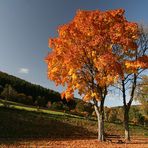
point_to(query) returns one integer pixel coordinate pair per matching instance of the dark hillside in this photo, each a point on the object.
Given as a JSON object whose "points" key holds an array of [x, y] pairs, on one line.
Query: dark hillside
{"points": [[29, 89]]}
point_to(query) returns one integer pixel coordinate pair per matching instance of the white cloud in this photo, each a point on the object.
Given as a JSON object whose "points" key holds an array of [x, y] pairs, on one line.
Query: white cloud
{"points": [[23, 70]]}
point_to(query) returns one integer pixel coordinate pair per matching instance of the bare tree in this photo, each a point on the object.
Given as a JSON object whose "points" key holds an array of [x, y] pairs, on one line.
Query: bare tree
{"points": [[128, 83]]}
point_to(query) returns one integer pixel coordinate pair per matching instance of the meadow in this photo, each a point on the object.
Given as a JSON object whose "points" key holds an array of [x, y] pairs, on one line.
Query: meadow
{"points": [[27, 126]]}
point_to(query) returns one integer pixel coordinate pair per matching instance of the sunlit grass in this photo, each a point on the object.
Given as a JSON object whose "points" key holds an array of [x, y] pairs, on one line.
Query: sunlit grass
{"points": [[35, 109]]}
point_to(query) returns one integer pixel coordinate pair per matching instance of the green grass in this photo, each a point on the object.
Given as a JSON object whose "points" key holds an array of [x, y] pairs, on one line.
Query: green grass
{"points": [[35, 109], [22, 122]]}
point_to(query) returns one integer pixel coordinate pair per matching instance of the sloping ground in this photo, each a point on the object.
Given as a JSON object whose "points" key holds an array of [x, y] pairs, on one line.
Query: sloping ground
{"points": [[89, 143], [20, 124], [24, 127]]}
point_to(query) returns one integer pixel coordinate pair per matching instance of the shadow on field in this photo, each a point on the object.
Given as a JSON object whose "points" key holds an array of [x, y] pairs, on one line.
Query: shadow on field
{"points": [[20, 125], [117, 139], [139, 141]]}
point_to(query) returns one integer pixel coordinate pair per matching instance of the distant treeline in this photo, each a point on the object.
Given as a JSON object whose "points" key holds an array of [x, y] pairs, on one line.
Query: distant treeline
{"points": [[33, 90]]}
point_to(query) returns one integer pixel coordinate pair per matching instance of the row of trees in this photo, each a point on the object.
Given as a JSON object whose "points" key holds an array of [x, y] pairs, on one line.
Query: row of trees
{"points": [[33, 93], [116, 115], [27, 88], [137, 114], [97, 50], [8, 93]]}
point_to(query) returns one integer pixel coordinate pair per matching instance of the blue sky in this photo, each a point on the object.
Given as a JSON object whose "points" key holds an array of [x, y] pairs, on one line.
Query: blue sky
{"points": [[26, 25]]}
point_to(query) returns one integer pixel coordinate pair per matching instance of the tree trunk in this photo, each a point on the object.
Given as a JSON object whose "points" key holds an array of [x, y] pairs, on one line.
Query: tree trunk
{"points": [[101, 128], [100, 117], [126, 125], [5, 101], [126, 114]]}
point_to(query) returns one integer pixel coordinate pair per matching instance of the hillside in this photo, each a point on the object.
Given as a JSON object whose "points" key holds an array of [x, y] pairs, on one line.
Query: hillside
{"points": [[28, 125], [23, 86], [33, 90]]}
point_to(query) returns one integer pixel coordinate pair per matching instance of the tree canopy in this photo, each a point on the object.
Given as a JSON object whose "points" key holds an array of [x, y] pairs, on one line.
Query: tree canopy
{"points": [[82, 55]]}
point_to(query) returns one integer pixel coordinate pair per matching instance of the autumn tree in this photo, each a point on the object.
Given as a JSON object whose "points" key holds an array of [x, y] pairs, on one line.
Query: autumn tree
{"points": [[134, 61], [83, 59]]}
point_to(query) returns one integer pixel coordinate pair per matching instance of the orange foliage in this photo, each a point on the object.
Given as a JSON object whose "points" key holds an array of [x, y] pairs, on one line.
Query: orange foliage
{"points": [[141, 62], [82, 56]]}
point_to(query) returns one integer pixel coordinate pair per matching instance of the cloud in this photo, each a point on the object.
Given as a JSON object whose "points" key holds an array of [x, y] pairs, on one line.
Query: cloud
{"points": [[23, 70]]}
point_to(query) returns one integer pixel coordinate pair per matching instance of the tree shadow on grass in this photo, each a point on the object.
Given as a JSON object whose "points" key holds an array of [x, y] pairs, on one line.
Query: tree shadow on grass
{"points": [[117, 139], [20, 125], [139, 140]]}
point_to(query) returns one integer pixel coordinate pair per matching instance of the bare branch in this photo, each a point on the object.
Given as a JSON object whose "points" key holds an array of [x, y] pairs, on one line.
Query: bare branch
{"points": [[117, 87]]}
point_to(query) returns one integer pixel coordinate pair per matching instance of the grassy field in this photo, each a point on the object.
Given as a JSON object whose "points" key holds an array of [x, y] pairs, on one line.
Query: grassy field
{"points": [[20, 123]]}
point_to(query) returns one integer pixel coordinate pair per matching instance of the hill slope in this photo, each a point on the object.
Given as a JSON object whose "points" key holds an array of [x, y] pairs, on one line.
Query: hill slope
{"points": [[33, 90], [28, 88], [26, 124]]}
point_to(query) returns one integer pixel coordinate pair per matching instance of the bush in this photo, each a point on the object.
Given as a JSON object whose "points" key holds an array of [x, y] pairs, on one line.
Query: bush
{"points": [[40, 101], [29, 100], [57, 106], [135, 116], [80, 106], [88, 107], [65, 108]]}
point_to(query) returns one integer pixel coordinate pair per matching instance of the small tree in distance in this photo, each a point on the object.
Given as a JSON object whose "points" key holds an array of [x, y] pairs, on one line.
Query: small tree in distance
{"points": [[83, 59], [8, 93]]}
